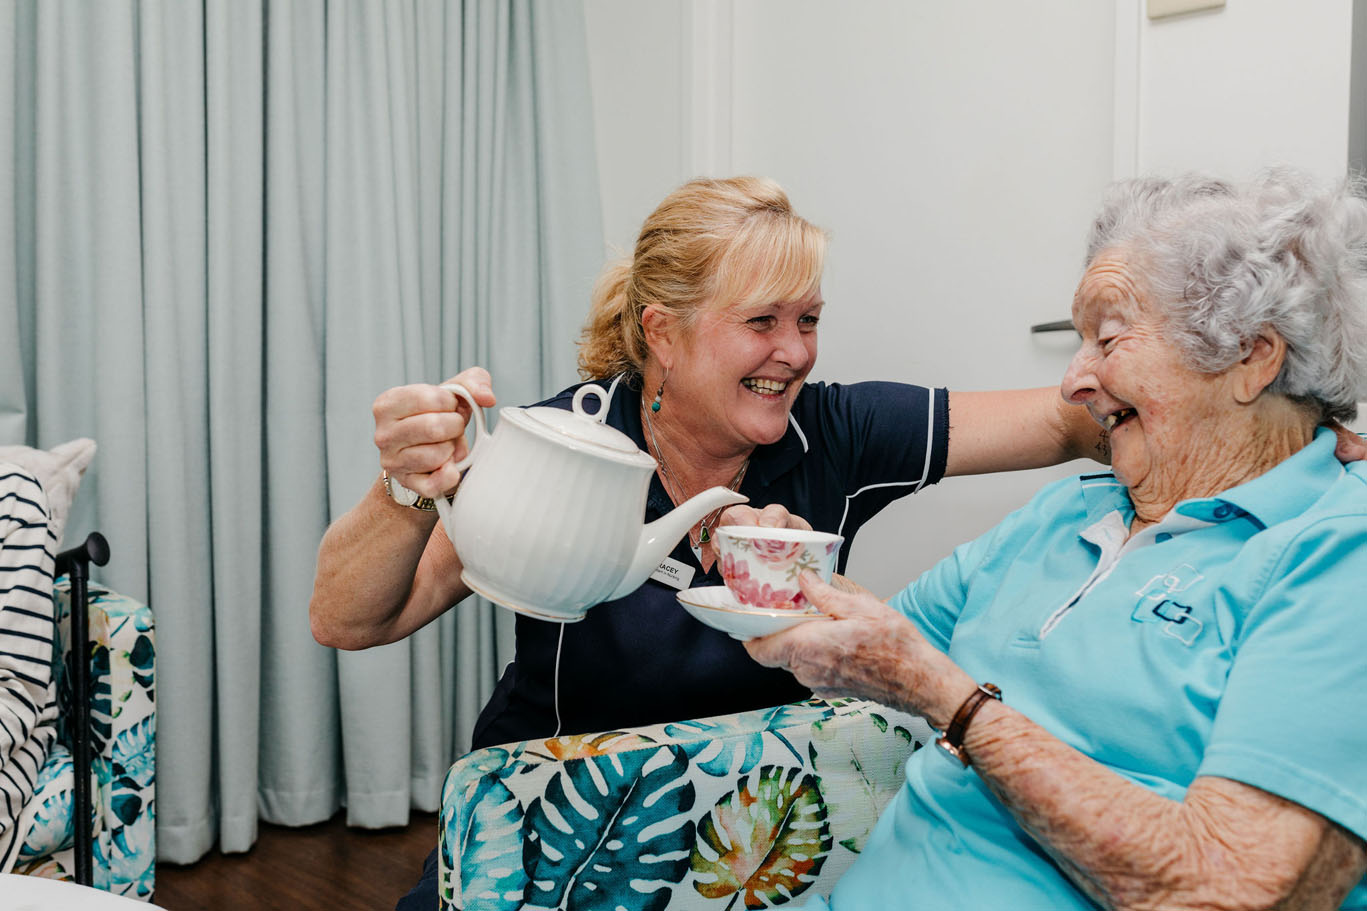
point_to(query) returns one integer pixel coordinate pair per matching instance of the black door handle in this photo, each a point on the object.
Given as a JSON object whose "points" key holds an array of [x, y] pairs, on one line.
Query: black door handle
{"points": [[1063, 325]]}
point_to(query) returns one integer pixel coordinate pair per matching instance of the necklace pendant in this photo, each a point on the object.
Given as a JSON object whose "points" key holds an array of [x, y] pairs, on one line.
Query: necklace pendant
{"points": [[704, 537]]}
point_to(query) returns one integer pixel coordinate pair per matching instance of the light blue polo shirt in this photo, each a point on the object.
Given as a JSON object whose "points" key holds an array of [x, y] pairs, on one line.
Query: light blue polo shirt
{"points": [[1230, 640]]}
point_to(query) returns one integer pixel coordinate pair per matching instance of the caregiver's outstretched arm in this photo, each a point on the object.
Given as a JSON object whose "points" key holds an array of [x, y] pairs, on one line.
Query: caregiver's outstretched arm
{"points": [[1020, 428], [386, 570]]}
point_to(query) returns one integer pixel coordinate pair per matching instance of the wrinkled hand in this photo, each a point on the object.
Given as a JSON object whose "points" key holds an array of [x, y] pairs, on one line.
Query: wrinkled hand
{"points": [[867, 650], [1351, 447], [420, 431], [847, 585]]}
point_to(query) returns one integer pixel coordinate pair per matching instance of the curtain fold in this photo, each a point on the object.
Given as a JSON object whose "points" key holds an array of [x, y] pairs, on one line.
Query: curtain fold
{"points": [[15, 366], [300, 748], [225, 227]]}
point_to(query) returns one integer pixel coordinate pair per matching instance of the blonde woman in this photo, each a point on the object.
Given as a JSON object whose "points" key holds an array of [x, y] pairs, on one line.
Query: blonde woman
{"points": [[706, 336]]}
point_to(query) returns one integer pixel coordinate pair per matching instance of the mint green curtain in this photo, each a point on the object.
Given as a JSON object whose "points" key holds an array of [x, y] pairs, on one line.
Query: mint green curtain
{"points": [[225, 227]]}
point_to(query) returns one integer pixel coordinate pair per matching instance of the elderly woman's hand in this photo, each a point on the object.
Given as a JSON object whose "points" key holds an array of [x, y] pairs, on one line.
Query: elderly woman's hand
{"points": [[420, 431], [847, 585], [867, 650]]}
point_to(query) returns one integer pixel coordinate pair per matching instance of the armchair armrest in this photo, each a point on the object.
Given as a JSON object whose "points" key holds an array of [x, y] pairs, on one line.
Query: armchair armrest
{"points": [[121, 633], [761, 805]]}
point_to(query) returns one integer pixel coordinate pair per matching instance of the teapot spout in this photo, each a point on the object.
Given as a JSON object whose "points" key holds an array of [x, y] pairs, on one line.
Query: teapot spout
{"points": [[659, 537]]}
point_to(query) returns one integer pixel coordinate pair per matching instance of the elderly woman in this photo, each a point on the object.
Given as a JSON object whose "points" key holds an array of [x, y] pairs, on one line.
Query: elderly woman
{"points": [[1149, 682], [706, 336]]}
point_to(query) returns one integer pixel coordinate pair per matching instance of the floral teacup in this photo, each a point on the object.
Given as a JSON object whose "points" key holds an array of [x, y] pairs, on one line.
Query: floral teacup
{"points": [[761, 565]]}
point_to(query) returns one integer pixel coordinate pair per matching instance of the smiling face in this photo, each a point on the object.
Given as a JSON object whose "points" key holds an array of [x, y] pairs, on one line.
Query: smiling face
{"points": [[1162, 415], [740, 366]]}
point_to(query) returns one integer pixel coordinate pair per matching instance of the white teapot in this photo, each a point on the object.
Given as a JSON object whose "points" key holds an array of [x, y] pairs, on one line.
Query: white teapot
{"points": [[548, 521]]}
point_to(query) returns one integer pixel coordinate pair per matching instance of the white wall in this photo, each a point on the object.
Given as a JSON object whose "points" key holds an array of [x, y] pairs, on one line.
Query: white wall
{"points": [[1254, 83], [956, 158], [955, 166], [636, 64]]}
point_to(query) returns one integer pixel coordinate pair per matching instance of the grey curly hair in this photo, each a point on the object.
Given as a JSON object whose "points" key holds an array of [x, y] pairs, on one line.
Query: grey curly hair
{"points": [[1226, 260]]}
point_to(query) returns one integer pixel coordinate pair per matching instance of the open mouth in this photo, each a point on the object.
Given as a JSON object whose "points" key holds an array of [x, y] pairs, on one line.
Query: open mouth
{"points": [[1115, 419], [764, 387]]}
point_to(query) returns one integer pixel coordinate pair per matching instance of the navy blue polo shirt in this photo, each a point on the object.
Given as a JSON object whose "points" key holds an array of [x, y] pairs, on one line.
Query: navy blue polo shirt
{"points": [[849, 451]]}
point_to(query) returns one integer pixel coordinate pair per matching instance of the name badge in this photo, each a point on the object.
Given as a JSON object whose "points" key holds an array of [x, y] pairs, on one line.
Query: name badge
{"points": [[674, 574]]}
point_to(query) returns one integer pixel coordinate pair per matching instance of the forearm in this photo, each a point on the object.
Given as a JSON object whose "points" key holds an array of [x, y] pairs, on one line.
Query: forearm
{"points": [[382, 573], [1018, 429], [1225, 846], [1082, 437]]}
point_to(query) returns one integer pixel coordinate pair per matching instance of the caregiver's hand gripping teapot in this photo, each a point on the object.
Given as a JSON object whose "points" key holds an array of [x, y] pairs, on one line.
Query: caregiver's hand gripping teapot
{"points": [[549, 518]]}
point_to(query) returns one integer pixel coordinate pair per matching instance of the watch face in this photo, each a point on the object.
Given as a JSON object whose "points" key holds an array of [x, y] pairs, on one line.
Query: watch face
{"points": [[402, 495]]}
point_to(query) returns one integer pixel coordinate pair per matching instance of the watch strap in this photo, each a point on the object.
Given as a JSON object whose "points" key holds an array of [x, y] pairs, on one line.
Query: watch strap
{"points": [[426, 504], [952, 741]]}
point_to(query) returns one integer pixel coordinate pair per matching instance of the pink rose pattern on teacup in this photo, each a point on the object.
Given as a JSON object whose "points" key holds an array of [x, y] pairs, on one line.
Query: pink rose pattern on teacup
{"points": [[736, 575], [778, 554], [788, 557]]}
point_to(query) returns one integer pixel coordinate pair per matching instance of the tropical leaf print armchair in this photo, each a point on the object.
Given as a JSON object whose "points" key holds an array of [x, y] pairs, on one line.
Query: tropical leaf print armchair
{"points": [[747, 810], [123, 751]]}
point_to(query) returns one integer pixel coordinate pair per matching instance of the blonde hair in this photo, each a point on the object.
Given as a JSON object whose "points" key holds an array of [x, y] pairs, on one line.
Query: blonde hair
{"points": [[732, 241]]}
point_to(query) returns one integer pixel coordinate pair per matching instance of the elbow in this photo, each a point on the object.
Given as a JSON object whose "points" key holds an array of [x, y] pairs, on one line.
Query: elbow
{"points": [[324, 632], [329, 632]]}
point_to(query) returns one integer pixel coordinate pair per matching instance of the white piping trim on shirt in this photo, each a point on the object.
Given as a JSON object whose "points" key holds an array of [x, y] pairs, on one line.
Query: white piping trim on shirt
{"points": [[612, 390], [919, 482], [560, 641], [846, 513], [800, 435], [930, 439], [556, 692]]}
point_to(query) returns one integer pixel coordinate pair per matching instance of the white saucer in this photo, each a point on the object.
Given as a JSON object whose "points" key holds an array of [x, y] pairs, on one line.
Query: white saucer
{"points": [[715, 606]]}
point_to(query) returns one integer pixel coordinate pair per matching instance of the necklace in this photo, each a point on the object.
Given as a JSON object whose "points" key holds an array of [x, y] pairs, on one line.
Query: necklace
{"points": [[709, 521]]}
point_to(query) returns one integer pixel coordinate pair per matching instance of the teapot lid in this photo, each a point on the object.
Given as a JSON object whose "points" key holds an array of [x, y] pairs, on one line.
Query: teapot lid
{"points": [[581, 430]]}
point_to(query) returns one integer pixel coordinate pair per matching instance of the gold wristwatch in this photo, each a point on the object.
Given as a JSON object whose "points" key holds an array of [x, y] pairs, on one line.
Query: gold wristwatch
{"points": [[405, 497]]}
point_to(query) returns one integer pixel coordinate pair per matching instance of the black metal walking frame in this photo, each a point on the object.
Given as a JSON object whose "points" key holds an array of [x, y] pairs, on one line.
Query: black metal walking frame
{"points": [[76, 564]]}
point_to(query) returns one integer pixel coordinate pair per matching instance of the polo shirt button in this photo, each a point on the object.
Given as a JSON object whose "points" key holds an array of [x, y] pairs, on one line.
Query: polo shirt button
{"points": [[1223, 511]]}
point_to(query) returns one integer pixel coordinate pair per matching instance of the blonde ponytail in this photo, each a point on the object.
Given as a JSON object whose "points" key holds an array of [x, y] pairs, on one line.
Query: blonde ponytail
{"points": [[710, 241]]}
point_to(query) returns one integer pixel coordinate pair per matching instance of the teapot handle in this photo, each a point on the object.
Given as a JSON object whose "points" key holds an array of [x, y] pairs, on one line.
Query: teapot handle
{"points": [[477, 413]]}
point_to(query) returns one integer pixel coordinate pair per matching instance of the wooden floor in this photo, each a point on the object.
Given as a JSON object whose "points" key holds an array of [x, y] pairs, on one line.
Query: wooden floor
{"points": [[314, 868]]}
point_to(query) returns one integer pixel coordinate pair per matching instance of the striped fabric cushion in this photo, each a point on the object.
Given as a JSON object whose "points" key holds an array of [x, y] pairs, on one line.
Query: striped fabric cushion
{"points": [[28, 704]]}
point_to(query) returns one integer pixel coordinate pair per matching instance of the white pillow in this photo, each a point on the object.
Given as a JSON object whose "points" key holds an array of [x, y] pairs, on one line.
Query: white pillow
{"points": [[59, 470]]}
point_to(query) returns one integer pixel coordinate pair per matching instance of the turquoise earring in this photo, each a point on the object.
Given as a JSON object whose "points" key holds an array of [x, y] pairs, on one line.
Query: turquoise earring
{"points": [[659, 394]]}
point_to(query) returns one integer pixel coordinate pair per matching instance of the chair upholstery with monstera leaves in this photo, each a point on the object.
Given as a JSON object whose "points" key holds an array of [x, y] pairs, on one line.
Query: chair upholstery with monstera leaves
{"points": [[752, 810], [123, 752]]}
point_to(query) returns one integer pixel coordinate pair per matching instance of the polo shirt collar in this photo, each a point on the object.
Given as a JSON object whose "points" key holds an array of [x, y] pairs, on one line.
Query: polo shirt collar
{"points": [[624, 408], [1287, 490], [771, 461], [1274, 496], [624, 413], [1102, 494]]}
